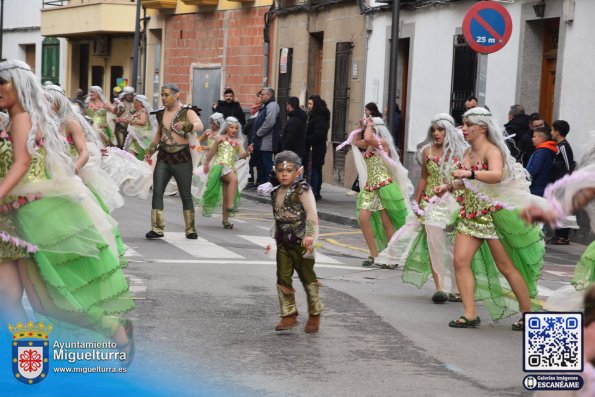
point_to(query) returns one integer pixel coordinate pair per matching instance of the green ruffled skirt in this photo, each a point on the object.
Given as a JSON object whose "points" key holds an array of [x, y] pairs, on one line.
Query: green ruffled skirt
{"points": [[417, 268], [525, 247], [78, 270], [584, 273], [212, 197], [394, 205]]}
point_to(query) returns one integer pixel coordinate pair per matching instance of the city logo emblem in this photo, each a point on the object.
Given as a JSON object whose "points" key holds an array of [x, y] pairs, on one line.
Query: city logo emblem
{"points": [[30, 351]]}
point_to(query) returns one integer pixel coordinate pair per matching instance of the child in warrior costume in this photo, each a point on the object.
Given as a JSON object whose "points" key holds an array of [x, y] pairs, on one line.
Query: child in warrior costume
{"points": [[494, 188], [142, 126], [565, 197], [222, 185], [75, 131], [296, 232], [69, 263], [383, 202], [422, 245]]}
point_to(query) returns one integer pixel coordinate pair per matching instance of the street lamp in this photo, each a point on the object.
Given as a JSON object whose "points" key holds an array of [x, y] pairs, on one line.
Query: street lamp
{"points": [[539, 9]]}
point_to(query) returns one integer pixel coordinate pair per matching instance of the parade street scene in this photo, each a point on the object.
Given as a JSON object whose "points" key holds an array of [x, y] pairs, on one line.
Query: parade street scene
{"points": [[297, 198]]}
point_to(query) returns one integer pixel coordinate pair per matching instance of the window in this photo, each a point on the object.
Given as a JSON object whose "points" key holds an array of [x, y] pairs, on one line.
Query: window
{"points": [[464, 72], [50, 60]]}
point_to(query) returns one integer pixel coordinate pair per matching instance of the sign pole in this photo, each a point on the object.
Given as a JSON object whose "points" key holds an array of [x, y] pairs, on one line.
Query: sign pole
{"points": [[482, 78]]}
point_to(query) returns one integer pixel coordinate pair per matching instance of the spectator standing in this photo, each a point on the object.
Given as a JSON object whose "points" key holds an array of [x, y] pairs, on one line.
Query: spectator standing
{"points": [[519, 134], [249, 132], [294, 134], [317, 126], [563, 164], [540, 162], [470, 103], [230, 107], [267, 127]]}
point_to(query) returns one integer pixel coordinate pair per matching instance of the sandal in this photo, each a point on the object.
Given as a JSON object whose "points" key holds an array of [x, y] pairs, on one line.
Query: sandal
{"points": [[559, 241], [519, 325], [227, 225], [439, 297], [368, 262], [390, 267], [454, 297], [464, 322]]}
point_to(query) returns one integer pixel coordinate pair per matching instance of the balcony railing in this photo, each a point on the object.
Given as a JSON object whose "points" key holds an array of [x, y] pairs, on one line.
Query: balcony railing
{"points": [[54, 3]]}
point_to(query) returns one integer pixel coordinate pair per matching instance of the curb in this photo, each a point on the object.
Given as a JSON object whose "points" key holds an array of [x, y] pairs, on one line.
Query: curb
{"points": [[327, 216]]}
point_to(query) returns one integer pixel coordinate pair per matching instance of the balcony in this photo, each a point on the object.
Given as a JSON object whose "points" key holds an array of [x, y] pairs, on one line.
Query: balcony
{"points": [[61, 18], [201, 2], [159, 4]]}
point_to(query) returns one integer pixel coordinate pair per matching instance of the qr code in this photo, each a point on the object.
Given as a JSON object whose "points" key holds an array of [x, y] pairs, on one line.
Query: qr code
{"points": [[553, 342]]}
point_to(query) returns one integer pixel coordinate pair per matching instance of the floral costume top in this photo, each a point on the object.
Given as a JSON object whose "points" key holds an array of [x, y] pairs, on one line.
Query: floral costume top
{"points": [[476, 212], [227, 153], [11, 247], [99, 117], [378, 177], [434, 179]]}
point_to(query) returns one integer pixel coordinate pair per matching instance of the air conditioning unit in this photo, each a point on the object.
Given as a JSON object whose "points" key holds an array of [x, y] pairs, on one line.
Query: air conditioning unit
{"points": [[101, 46]]}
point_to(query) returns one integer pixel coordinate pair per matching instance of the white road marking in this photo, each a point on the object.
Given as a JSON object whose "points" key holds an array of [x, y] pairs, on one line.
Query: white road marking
{"points": [[130, 253], [558, 273], [200, 247], [265, 241], [248, 262]]}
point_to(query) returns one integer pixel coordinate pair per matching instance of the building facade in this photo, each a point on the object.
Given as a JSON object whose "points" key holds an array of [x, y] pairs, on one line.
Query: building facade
{"points": [[208, 45], [99, 35], [22, 40]]}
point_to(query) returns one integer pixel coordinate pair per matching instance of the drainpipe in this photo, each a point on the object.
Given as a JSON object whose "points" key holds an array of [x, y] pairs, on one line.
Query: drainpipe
{"points": [[394, 58], [267, 40], [1, 27], [136, 49]]}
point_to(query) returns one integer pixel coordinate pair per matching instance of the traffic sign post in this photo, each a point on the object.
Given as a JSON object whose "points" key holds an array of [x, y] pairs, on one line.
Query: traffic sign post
{"points": [[487, 27]]}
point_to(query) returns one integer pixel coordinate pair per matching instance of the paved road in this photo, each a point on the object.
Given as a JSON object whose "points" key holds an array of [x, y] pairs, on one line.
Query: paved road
{"points": [[206, 311]]}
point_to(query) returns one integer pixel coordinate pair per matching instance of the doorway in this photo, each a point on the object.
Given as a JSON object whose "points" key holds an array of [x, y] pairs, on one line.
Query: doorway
{"points": [[548, 69], [314, 64], [206, 90]]}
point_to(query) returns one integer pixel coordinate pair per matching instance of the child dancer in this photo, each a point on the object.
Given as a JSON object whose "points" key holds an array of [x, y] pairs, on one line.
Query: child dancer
{"points": [[383, 203], [222, 184], [422, 245], [69, 264], [494, 185], [296, 232]]}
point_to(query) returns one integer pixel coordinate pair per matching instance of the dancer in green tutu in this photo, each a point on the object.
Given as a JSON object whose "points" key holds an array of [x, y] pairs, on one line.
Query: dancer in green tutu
{"points": [[56, 242], [422, 245], [383, 203], [97, 108], [81, 143], [222, 181], [142, 126], [490, 237]]}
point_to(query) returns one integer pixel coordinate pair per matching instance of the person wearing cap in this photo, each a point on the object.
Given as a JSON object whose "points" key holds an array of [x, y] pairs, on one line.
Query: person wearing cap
{"points": [[176, 127], [124, 112]]}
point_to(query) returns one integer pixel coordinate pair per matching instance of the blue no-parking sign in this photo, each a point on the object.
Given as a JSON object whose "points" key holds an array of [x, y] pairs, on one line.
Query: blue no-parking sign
{"points": [[487, 27]]}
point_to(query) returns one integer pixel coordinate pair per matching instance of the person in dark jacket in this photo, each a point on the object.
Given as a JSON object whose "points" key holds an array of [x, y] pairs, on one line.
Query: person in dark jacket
{"points": [[294, 133], [540, 162], [230, 107], [266, 131], [519, 134], [317, 126], [563, 165]]}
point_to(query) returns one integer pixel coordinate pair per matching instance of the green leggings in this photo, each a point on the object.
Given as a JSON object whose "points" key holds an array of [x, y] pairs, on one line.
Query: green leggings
{"points": [[182, 173], [290, 258]]}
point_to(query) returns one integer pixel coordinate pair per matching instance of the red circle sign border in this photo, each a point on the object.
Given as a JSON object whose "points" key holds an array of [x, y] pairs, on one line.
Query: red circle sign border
{"points": [[467, 26]]}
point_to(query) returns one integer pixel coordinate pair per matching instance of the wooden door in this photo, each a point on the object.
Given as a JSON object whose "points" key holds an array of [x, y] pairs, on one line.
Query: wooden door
{"points": [[548, 69]]}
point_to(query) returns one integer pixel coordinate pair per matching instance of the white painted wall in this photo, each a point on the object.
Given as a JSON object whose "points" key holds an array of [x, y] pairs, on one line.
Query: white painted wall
{"points": [[430, 69], [27, 14], [577, 99]]}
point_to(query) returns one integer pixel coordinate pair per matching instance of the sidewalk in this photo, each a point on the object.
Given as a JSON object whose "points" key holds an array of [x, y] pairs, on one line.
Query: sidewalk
{"points": [[338, 206]]}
